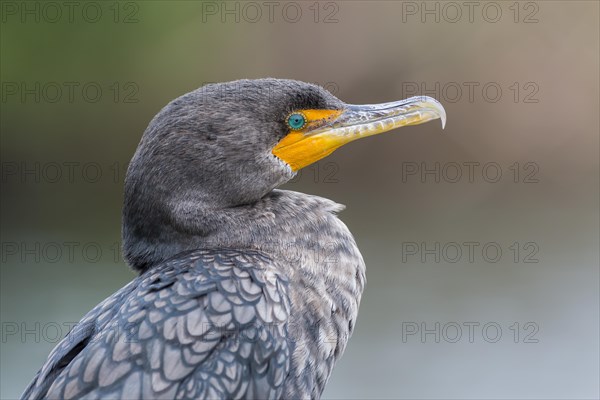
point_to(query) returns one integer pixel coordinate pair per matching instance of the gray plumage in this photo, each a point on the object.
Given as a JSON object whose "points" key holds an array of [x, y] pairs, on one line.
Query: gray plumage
{"points": [[245, 291]]}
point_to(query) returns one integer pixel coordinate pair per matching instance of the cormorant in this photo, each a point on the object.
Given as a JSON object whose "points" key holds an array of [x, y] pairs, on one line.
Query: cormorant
{"points": [[244, 290]]}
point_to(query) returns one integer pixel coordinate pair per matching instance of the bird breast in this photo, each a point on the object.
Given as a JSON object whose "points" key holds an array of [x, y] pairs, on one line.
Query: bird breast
{"points": [[325, 270]]}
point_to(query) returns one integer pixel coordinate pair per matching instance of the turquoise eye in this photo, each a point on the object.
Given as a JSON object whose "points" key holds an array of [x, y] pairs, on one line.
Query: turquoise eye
{"points": [[296, 121]]}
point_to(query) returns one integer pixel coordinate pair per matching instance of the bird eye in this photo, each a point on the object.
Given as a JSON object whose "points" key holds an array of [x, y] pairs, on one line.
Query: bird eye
{"points": [[296, 121]]}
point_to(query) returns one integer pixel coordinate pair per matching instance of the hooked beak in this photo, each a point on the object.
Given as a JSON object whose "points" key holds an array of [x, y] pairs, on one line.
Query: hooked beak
{"points": [[327, 130]]}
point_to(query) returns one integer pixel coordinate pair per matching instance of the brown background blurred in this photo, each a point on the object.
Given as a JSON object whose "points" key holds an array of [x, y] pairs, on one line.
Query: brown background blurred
{"points": [[519, 81]]}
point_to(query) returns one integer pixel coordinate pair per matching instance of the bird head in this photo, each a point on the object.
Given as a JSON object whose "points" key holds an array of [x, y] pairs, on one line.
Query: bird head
{"points": [[231, 143]]}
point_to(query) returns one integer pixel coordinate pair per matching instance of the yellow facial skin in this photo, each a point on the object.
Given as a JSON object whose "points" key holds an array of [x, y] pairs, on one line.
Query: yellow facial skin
{"points": [[298, 149], [327, 130]]}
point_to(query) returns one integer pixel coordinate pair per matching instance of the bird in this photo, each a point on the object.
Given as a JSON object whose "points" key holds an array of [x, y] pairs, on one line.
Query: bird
{"points": [[243, 290]]}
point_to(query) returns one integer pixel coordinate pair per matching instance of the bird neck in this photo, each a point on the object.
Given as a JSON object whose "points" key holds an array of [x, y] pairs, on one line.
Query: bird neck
{"points": [[156, 228]]}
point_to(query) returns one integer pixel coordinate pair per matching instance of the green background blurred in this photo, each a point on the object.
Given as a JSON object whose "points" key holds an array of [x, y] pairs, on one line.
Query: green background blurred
{"points": [[64, 155]]}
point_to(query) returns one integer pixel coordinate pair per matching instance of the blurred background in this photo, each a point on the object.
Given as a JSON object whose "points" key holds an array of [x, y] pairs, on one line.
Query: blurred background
{"points": [[481, 241]]}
